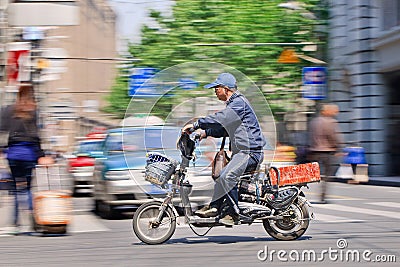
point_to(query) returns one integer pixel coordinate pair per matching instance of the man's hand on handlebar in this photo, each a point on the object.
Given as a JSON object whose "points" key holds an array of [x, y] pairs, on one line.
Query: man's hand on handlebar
{"points": [[202, 135], [188, 128]]}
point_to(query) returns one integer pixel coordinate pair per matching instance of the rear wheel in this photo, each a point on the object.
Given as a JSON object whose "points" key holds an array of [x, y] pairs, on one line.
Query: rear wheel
{"points": [[149, 231], [294, 224]]}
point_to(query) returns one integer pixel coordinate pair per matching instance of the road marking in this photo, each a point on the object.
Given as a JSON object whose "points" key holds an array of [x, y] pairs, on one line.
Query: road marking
{"points": [[335, 197], [386, 204], [85, 223], [333, 219], [346, 208]]}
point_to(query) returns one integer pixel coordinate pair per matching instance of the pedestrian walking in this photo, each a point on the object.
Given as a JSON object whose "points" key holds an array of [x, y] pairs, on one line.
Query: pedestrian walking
{"points": [[23, 147], [324, 143]]}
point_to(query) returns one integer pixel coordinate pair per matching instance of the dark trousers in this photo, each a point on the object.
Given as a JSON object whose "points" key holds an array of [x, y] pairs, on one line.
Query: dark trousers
{"points": [[226, 185], [325, 160], [21, 172]]}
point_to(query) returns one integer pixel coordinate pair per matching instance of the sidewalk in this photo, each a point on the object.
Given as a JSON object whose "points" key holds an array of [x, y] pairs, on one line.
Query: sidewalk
{"points": [[380, 181]]}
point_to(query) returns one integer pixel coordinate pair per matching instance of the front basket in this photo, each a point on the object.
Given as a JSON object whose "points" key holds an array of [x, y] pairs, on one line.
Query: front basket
{"points": [[159, 169]]}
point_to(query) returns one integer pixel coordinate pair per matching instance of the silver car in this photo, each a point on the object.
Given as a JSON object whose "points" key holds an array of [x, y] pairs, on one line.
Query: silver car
{"points": [[81, 165], [119, 174]]}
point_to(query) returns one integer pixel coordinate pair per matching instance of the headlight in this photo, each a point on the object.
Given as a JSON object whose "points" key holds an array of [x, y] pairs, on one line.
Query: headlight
{"points": [[117, 175]]}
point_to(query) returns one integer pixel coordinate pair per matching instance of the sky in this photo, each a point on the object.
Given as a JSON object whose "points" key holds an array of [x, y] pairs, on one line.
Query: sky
{"points": [[132, 14]]}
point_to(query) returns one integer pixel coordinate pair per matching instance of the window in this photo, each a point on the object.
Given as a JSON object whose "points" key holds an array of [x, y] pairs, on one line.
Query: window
{"points": [[391, 13]]}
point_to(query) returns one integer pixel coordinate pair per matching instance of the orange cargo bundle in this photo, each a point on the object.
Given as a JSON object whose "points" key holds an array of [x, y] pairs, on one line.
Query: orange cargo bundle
{"points": [[296, 174], [52, 207]]}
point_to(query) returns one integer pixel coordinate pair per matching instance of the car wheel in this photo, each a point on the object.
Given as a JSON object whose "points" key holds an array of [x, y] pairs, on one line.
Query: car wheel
{"points": [[97, 204], [107, 211]]}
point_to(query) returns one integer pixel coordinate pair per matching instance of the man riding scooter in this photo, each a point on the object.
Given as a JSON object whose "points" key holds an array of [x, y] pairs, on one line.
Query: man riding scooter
{"points": [[239, 122]]}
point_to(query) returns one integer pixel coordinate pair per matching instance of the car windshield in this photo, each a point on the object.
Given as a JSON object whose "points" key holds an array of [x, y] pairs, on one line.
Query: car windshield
{"points": [[87, 147], [141, 140]]}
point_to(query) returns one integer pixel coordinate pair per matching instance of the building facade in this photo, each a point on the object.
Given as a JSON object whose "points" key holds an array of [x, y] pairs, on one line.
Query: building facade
{"points": [[90, 54], [76, 71], [364, 78]]}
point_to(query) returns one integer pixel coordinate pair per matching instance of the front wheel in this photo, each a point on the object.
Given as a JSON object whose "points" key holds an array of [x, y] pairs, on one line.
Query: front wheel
{"points": [[147, 229], [294, 224]]}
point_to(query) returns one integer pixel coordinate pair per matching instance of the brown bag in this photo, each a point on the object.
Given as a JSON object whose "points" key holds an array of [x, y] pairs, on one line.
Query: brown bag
{"points": [[220, 161]]}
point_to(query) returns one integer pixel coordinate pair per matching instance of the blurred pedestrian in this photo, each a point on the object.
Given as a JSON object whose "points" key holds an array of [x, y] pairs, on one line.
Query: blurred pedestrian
{"points": [[325, 142], [24, 150]]}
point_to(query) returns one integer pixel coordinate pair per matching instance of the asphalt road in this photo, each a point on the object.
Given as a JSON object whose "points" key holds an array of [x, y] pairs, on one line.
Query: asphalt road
{"points": [[360, 226]]}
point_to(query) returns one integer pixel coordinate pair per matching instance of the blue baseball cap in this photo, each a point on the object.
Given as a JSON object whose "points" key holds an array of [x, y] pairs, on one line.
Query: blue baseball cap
{"points": [[225, 79]]}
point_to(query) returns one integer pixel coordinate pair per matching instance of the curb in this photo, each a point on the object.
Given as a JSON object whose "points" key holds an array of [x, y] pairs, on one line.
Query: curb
{"points": [[384, 183]]}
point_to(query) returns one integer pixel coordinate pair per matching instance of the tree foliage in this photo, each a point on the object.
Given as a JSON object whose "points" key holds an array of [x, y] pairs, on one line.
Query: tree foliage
{"points": [[118, 99], [177, 39]]}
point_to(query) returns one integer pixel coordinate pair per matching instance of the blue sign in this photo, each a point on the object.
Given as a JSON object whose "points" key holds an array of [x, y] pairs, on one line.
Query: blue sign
{"points": [[138, 85], [141, 83], [188, 83], [315, 82]]}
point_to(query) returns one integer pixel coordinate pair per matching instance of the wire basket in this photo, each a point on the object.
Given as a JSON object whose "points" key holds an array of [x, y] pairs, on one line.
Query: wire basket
{"points": [[159, 169]]}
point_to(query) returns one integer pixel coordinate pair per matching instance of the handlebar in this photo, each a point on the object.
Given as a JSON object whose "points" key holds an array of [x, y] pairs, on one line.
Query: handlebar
{"points": [[196, 137]]}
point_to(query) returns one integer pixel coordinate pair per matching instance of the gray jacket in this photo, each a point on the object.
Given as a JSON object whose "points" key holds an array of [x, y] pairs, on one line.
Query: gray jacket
{"points": [[238, 121]]}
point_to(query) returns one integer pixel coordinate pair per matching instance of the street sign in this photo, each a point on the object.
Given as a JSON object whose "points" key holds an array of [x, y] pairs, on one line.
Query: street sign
{"points": [[138, 85], [143, 84], [188, 83], [19, 62], [314, 83]]}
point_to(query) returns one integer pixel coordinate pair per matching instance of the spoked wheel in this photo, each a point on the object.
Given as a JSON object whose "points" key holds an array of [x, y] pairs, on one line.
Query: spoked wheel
{"points": [[147, 229], [294, 223]]}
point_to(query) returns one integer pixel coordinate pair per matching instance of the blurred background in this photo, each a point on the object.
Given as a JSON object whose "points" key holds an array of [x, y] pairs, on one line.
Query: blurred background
{"points": [[87, 59], [91, 64]]}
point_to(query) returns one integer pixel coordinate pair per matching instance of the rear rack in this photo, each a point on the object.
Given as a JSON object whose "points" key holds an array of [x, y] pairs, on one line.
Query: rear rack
{"points": [[300, 174]]}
